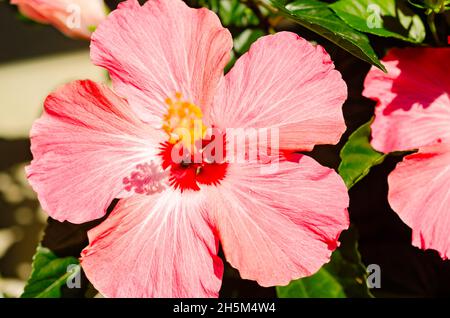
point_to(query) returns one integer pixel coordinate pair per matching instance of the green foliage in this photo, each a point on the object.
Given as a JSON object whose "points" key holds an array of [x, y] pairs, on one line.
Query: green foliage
{"points": [[242, 43], [49, 274], [319, 18], [344, 276], [245, 39], [231, 12], [244, 24], [358, 156], [387, 18], [431, 6]]}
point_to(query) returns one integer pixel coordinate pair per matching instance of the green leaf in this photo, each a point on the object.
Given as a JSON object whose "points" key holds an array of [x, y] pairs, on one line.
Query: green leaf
{"points": [[347, 266], [49, 274], [320, 285], [343, 276], [387, 18], [358, 156], [319, 18]]}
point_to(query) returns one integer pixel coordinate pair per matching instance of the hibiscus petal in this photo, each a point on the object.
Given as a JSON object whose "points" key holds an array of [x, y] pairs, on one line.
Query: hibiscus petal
{"points": [[413, 99], [84, 144], [159, 49], [419, 191], [155, 246], [287, 83], [29, 11], [279, 225]]}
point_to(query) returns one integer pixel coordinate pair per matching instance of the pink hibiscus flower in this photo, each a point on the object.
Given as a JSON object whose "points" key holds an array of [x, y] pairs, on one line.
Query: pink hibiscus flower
{"points": [[413, 112], [75, 18], [166, 62]]}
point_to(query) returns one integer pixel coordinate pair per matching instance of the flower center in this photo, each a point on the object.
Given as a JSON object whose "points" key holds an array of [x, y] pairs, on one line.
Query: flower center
{"points": [[187, 158], [183, 154], [183, 122]]}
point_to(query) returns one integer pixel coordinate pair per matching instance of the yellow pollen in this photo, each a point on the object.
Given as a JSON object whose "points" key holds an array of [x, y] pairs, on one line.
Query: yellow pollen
{"points": [[183, 122]]}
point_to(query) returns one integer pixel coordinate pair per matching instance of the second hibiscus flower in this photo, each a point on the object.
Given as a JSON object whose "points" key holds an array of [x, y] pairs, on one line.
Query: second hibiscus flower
{"points": [[413, 113], [75, 18], [166, 62]]}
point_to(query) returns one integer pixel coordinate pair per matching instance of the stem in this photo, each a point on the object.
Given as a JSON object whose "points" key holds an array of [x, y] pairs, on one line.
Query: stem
{"points": [[432, 25]]}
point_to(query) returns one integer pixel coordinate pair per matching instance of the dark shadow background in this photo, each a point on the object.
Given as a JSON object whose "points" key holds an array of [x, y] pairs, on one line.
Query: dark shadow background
{"points": [[384, 240]]}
